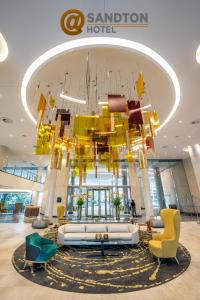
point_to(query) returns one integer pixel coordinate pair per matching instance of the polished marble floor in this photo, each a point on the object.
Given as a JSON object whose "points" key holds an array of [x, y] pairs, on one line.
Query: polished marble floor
{"points": [[15, 287]]}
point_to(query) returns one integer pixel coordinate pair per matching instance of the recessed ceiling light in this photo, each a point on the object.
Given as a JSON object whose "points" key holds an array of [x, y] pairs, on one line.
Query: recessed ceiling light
{"points": [[189, 136], [25, 146], [175, 147], [198, 55], [180, 121], [95, 42], [164, 136], [11, 135], [1, 95], [194, 122], [22, 120], [6, 120], [3, 48]]}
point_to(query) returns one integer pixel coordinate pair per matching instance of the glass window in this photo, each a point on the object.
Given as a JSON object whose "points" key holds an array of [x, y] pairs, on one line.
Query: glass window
{"points": [[8, 200]]}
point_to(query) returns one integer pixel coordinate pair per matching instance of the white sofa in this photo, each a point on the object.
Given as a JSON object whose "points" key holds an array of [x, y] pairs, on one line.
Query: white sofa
{"points": [[80, 234]]}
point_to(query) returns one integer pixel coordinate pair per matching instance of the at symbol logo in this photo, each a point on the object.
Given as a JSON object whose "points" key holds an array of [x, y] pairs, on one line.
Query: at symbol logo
{"points": [[72, 21]]}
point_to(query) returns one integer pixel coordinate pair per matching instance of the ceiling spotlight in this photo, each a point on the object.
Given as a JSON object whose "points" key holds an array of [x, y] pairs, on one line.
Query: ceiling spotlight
{"points": [[6, 120], [11, 135], [175, 147], [65, 97], [164, 136], [180, 121], [198, 55], [21, 120], [189, 136], [3, 48]]}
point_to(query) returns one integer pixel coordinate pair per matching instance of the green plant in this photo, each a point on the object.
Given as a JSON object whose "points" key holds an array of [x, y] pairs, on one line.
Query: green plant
{"points": [[117, 202], [80, 203]]}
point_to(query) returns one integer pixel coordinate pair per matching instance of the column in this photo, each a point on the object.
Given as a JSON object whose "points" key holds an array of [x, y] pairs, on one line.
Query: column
{"points": [[195, 159], [50, 192], [56, 185], [35, 196], [135, 191], [39, 173], [147, 194], [159, 188], [61, 186]]}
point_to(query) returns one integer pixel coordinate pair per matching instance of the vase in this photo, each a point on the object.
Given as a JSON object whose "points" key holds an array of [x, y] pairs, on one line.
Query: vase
{"points": [[117, 212], [79, 212]]}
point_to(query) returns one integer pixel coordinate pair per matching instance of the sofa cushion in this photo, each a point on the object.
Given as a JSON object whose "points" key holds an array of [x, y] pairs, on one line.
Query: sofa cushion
{"points": [[78, 236], [74, 228], [91, 236], [118, 228], [120, 236], [96, 228]]}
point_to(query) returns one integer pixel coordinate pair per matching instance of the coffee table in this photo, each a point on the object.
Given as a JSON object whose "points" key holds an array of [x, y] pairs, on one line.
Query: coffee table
{"points": [[102, 242]]}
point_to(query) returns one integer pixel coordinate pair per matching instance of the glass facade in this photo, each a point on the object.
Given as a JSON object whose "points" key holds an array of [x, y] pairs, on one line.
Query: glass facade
{"points": [[168, 185], [30, 173], [99, 191], [11, 202]]}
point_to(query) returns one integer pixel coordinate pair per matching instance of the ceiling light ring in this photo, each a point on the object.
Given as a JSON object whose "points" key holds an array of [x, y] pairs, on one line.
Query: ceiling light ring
{"points": [[3, 48], [101, 42]]}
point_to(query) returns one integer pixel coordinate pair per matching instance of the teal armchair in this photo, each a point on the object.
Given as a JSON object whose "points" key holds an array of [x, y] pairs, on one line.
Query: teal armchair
{"points": [[39, 250]]}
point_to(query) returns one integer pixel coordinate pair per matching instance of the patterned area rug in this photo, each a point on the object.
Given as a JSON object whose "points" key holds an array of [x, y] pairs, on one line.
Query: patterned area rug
{"points": [[125, 269]]}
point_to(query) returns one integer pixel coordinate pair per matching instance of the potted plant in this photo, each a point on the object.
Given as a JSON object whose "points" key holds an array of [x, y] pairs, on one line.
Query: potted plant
{"points": [[80, 203], [117, 202]]}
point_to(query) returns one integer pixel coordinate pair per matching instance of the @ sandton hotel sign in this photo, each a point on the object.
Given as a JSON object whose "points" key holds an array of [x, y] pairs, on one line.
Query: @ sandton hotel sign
{"points": [[73, 21]]}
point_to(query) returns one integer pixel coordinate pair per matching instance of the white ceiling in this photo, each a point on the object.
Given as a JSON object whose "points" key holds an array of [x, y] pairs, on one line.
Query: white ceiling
{"points": [[32, 27], [125, 67]]}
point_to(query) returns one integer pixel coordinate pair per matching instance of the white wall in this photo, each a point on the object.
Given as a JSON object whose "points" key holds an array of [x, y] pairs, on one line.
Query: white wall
{"points": [[168, 187], [15, 182], [60, 189], [191, 178], [182, 187]]}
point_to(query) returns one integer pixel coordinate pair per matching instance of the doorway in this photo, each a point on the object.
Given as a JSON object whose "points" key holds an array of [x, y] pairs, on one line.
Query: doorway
{"points": [[98, 203]]}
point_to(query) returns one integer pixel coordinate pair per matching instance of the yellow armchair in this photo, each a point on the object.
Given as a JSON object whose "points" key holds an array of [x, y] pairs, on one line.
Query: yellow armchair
{"points": [[164, 245]]}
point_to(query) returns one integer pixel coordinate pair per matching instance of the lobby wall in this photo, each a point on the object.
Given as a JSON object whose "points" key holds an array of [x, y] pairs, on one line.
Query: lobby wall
{"points": [[15, 182], [191, 180]]}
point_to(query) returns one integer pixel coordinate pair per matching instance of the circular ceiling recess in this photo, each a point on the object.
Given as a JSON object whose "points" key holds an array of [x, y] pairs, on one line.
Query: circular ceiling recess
{"points": [[102, 42], [3, 48]]}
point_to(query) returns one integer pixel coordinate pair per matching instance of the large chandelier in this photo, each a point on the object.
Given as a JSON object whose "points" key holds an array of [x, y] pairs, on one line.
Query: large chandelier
{"points": [[121, 129]]}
